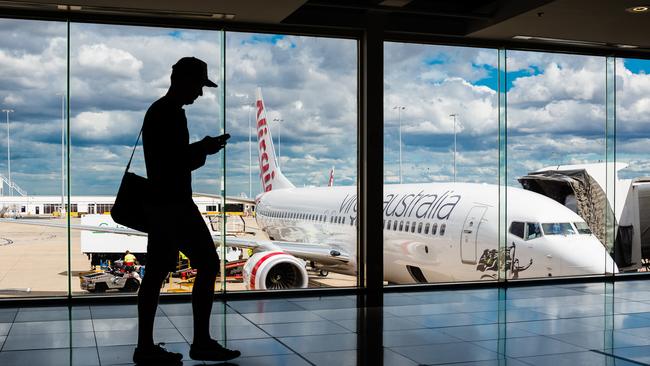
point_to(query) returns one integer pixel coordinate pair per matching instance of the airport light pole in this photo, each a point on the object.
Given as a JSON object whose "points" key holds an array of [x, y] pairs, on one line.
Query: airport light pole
{"points": [[400, 108], [11, 188], [62, 153], [454, 115], [279, 121], [250, 148]]}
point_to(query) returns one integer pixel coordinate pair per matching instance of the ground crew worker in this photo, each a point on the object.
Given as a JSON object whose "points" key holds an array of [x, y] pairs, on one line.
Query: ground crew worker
{"points": [[129, 259]]}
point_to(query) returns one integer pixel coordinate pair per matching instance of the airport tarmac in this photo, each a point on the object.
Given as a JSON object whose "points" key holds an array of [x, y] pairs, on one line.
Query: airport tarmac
{"points": [[34, 261]]}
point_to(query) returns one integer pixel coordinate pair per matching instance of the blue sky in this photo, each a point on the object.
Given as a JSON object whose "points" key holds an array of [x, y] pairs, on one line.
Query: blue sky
{"points": [[637, 66], [555, 106]]}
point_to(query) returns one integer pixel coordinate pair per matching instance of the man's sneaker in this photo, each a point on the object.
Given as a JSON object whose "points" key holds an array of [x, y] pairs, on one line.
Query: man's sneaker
{"points": [[156, 355], [212, 351]]}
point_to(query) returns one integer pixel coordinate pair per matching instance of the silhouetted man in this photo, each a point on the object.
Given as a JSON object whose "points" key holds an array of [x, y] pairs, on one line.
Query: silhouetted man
{"points": [[170, 159]]}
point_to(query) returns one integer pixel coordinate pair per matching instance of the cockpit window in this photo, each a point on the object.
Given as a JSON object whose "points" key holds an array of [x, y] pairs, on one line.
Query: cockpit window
{"points": [[517, 229], [582, 227], [533, 230], [558, 228]]}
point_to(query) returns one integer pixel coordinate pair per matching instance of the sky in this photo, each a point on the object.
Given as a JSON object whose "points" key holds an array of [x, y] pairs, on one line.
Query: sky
{"points": [[556, 106]]}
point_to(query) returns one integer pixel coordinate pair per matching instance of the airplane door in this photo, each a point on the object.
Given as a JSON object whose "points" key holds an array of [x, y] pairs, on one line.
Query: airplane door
{"points": [[470, 234]]}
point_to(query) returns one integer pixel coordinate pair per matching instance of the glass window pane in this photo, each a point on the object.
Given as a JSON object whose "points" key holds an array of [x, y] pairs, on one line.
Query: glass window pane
{"points": [[556, 147], [33, 66], [440, 160], [632, 165], [116, 73], [292, 113]]}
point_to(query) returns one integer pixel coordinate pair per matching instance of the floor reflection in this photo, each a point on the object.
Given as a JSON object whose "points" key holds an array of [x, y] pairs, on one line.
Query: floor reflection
{"points": [[579, 324]]}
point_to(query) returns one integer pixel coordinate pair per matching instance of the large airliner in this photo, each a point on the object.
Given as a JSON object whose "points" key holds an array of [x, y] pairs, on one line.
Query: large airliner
{"points": [[432, 232]]}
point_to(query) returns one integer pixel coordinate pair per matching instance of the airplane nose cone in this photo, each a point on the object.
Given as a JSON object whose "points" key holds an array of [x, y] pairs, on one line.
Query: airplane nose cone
{"points": [[591, 258]]}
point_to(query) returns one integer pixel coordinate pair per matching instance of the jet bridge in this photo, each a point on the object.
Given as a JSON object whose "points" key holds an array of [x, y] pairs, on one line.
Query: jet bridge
{"points": [[580, 188]]}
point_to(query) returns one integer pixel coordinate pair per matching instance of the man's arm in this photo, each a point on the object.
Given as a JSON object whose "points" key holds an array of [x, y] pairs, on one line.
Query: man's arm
{"points": [[197, 155]]}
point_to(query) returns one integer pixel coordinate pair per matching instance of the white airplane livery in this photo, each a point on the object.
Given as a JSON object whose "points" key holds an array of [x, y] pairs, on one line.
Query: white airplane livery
{"points": [[432, 232]]}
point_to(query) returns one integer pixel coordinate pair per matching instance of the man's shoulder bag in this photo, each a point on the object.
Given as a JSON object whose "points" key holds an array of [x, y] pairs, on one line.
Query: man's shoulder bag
{"points": [[132, 198]]}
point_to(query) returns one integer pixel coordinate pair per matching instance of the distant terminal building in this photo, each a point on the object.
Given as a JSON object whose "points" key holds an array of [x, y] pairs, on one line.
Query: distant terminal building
{"points": [[82, 205]]}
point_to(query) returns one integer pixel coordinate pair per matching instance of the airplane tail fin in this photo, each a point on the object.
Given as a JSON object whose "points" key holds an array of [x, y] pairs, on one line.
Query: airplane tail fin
{"points": [[270, 175], [331, 181]]}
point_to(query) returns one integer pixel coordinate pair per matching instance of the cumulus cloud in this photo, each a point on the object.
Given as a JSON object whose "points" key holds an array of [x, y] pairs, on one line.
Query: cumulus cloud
{"points": [[104, 126], [102, 59]]}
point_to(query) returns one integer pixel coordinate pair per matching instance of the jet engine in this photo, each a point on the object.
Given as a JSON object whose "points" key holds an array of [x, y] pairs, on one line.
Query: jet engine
{"points": [[274, 270]]}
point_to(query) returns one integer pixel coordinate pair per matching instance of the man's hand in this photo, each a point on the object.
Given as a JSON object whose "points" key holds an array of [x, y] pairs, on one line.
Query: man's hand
{"points": [[212, 145]]}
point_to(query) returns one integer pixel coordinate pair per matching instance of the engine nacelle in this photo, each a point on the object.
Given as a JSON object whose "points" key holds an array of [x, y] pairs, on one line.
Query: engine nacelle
{"points": [[274, 271]]}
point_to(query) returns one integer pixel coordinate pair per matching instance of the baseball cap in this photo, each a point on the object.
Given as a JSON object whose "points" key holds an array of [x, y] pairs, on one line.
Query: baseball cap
{"points": [[194, 68]]}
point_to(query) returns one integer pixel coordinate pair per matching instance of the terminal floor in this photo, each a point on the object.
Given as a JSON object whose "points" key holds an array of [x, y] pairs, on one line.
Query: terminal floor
{"points": [[577, 324]]}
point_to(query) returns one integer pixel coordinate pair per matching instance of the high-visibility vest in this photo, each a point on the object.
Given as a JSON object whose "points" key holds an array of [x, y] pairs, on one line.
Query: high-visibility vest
{"points": [[129, 258]]}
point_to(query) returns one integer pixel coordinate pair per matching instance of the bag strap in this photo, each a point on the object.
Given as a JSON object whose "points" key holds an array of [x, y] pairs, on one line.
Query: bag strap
{"points": [[133, 152]]}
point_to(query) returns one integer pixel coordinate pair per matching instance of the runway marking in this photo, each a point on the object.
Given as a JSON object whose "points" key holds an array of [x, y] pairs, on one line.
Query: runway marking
{"points": [[5, 241]]}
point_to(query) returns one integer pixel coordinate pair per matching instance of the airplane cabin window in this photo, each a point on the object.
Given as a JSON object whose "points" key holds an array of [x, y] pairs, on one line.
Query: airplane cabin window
{"points": [[558, 228], [426, 228], [388, 225], [582, 227], [401, 225], [413, 228], [419, 228], [343, 220], [406, 227], [533, 231], [395, 225], [443, 227], [517, 229], [434, 229]]}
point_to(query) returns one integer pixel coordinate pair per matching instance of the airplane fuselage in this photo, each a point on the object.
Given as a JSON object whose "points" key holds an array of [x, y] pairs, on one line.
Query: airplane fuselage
{"points": [[438, 231]]}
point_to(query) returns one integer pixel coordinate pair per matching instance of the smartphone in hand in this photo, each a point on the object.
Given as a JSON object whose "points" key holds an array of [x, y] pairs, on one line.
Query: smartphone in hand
{"points": [[223, 138]]}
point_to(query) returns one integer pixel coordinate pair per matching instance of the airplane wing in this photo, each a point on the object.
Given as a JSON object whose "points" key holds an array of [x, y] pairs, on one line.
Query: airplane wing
{"points": [[321, 253], [228, 198], [61, 225]]}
